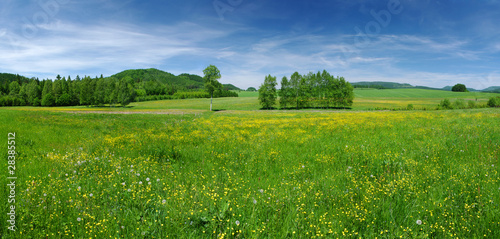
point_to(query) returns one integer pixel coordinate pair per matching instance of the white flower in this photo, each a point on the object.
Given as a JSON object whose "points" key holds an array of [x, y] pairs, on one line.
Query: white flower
{"points": [[138, 174], [419, 222], [78, 219], [140, 182], [237, 223], [45, 195], [123, 227], [254, 201], [149, 183], [303, 166], [261, 190], [123, 183], [157, 180], [91, 195], [147, 179], [128, 190], [79, 188], [164, 201]]}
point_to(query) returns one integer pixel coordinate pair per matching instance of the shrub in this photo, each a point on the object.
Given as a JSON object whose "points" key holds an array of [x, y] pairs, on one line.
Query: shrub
{"points": [[471, 104], [494, 102], [410, 107], [446, 104], [459, 104]]}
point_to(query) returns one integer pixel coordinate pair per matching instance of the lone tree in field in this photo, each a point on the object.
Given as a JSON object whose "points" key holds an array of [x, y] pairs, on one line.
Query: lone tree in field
{"points": [[268, 93], [212, 74], [459, 88]]}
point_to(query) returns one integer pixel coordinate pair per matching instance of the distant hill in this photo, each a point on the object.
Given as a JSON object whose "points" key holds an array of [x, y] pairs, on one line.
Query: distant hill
{"points": [[181, 81], [7, 78], [382, 84], [394, 85], [495, 89], [230, 87]]}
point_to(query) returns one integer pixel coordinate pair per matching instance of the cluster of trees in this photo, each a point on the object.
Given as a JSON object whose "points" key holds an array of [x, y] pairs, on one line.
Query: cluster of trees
{"points": [[68, 92], [119, 89], [320, 90], [459, 88]]}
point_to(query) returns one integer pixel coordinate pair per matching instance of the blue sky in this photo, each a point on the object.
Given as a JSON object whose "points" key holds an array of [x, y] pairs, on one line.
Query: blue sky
{"points": [[431, 43]]}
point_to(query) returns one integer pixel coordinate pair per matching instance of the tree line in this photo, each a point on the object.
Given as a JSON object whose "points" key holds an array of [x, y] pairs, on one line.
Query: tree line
{"points": [[320, 90], [98, 91]]}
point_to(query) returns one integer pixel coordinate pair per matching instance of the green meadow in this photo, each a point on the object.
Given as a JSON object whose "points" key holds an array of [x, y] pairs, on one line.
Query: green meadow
{"points": [[172, 169]]}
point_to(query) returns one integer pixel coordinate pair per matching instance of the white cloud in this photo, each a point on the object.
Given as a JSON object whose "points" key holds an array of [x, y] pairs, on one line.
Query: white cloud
{"points": [[110, 47]]}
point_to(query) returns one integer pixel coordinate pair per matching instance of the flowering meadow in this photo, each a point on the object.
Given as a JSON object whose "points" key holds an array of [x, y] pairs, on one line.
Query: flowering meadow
{"points": [[254, 174]]}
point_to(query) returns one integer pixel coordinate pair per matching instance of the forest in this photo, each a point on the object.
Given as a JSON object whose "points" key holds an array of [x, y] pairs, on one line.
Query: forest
{"points": [[320, 90], [119, 89]]}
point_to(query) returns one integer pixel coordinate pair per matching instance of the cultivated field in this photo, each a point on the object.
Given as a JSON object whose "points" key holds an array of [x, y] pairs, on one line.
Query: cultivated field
{"points": [[164, 171]]}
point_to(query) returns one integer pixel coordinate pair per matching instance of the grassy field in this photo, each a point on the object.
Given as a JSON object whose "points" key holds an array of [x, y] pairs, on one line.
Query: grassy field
{"points": [[365, 99], [253, 174]]}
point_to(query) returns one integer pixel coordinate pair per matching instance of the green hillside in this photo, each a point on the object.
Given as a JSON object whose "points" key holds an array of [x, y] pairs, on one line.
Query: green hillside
{"points": [[382, 84], [181, 81]]}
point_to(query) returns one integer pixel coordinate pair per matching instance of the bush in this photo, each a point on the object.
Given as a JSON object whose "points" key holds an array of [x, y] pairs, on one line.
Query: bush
{"points": [[494, 102], [446, 104], [410, 107], [471, 104], [459, 104]]}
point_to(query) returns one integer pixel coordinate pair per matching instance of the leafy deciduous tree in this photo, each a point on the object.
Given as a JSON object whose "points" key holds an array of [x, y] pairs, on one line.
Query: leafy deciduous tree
{"points": [[211, 76]]}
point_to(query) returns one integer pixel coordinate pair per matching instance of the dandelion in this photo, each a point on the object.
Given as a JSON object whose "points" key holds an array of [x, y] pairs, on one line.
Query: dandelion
{"points": [[91, 195], [78, 219], [140, 182], [237, 223], [419, 222], [147, 179]]}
